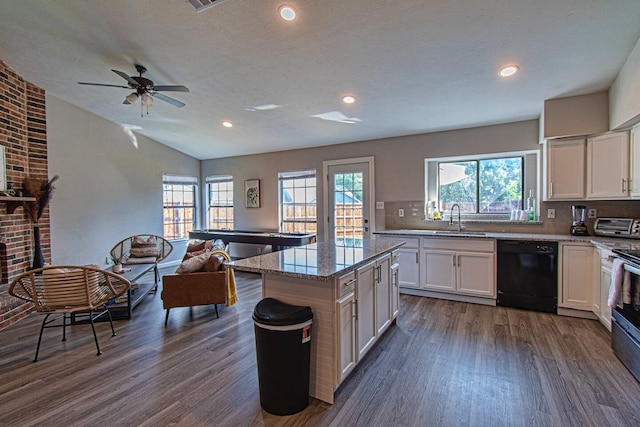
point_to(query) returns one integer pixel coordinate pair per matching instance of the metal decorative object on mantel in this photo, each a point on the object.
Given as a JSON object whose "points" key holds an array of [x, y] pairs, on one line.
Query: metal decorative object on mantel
{"points": [[42, 191]]}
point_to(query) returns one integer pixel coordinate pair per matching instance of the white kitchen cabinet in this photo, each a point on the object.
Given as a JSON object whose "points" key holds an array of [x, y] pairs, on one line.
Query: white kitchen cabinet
{"points": [[460, 266], [373, 301], [365, 307], [409, 260], [346, 334], [601, 284], [395, 284], [576, 276], [608, 166], [383, 294], [634, 162], [564, 169]]}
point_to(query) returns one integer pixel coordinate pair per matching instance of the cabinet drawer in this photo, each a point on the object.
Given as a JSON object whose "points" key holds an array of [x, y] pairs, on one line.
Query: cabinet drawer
{"points": [[346, 283]]}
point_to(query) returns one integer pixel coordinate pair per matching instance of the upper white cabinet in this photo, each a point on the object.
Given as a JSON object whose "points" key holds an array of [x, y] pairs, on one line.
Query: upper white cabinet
{"points": [[608, 166], [564, 166], [634, 166]]}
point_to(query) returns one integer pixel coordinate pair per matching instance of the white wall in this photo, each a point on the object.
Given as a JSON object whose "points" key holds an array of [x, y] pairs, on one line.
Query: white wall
{"points": [[108, 189], [399, 166]]}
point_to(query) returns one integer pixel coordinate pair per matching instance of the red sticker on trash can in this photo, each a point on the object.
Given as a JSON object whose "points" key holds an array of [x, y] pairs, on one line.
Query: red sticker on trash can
{"points": [[306, 334]]}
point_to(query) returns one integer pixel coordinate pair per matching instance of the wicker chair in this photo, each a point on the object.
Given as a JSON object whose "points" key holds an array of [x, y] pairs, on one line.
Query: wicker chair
{"points": [[68, 290], [122, 251]]}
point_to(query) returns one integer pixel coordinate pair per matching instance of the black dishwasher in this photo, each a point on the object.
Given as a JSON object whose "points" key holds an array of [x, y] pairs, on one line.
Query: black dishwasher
{"points": [[528, 275]]}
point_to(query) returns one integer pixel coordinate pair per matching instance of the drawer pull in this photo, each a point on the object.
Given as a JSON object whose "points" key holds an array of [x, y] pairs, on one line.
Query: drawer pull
{"points": [[349, 283]]}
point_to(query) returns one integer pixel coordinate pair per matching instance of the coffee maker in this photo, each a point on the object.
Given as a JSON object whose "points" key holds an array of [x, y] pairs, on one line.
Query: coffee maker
{"points": [[578, 227]]}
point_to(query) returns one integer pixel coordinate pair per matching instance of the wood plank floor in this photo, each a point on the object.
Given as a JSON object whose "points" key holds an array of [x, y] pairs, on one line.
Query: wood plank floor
{"points": [[444, 364]]}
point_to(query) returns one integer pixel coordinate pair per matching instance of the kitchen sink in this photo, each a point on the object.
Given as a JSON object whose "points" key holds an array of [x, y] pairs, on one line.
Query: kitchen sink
{"points": [[466, 233]]}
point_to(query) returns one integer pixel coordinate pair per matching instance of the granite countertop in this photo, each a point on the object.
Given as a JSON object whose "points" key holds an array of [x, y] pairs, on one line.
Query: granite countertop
{"points": [[602, 242], [321, 261]]}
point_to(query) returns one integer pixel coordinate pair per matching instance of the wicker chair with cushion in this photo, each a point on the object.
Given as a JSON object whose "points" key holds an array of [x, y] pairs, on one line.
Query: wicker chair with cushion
{"points": [[142, 249], [68, 290]]}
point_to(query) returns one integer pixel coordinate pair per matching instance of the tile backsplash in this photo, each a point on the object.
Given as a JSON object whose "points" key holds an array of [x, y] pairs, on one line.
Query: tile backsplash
{"points": [[414, 217]]}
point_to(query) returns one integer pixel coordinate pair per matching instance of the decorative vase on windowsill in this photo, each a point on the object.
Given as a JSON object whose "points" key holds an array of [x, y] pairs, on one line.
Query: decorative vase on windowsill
{"points": [[42, 191]]}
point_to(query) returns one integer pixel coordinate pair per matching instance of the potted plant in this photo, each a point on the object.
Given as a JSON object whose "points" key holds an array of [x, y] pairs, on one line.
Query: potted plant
{"points": [[117, 264]]}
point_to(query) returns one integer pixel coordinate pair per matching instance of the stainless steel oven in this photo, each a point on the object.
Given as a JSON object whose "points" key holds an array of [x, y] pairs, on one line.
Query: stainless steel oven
{"points": [[625, 316]]}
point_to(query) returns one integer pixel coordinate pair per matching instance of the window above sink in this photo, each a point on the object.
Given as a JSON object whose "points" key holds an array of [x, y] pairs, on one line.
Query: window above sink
{"points": [[487, 187]]}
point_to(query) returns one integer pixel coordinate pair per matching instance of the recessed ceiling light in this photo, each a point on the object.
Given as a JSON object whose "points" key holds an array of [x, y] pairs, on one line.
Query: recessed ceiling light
{"points": [[509, 70], [288, 13], [348, 99], [227, 124]]}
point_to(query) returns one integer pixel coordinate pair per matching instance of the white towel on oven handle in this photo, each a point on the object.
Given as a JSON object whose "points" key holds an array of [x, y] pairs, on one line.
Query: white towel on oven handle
{"points": [[620, 282]]}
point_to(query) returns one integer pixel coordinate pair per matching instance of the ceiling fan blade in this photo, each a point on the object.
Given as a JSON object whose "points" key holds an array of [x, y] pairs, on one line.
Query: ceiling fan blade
{"points": [[132, 82], [101, 84], [171, 88], [168, 99]]}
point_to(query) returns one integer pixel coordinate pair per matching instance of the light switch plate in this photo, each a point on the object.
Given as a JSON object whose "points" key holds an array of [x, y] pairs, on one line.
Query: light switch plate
{"points": [[400, 213], [551, 213], [379, 205], [591, 213]]}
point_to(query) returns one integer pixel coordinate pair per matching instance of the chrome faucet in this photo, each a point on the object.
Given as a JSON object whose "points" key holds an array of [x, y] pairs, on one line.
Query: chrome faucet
{"points": [[451, 217]]}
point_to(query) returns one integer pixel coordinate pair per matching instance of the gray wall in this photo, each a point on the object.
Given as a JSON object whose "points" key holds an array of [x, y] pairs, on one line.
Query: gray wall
{"points": [[399, 166], [108, 189]]}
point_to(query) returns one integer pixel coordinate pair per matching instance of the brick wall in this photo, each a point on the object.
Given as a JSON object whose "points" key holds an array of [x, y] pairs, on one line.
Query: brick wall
{"points": [[23, 132]]}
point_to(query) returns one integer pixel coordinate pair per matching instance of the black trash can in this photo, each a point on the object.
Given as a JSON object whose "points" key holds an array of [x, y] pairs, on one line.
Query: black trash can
{"points": [[283, 350]]}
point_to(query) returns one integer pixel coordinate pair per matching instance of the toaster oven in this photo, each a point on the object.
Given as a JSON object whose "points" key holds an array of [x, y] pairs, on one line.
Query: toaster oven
{"points": [[617, 227]]}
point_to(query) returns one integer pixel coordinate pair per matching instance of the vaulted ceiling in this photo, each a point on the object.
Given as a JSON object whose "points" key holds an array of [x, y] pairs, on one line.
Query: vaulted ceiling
{"points": [[414, 66]]}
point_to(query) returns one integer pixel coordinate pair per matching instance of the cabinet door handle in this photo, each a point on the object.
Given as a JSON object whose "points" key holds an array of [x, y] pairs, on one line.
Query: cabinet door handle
{"points": [[623, 186], [355, 309], [453, 259], [459, 261], [417, 258]]}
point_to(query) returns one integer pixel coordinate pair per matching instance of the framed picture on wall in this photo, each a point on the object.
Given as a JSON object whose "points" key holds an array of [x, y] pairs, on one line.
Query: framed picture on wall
{"points": [[252, 193]]}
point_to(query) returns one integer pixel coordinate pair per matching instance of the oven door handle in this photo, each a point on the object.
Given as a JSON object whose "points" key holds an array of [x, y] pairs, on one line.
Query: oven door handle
{"points": [[632, 269]]}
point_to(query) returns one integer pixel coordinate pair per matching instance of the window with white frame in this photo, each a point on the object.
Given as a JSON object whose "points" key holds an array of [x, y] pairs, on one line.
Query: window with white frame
{"points": [[179, 205], [220, 202], [298, 201], [491, 185]]}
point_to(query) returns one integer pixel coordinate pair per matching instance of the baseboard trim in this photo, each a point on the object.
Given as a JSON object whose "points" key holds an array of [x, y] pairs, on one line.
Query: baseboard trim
{"points": [[447, 296]]}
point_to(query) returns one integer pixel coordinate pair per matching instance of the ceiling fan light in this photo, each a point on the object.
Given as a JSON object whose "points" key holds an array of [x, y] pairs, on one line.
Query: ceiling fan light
{"points": [[147, 100], [131, 98]]}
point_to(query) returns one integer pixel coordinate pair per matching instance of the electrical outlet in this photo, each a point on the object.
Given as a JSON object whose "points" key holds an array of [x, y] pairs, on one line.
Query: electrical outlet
{"points": [[400, 213], [379, 205], [591, 213], [259, 250], [107, 260], [551, 213]]}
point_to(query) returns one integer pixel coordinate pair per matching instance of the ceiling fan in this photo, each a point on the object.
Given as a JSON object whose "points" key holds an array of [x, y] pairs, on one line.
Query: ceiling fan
{"points": [[145, 89]]}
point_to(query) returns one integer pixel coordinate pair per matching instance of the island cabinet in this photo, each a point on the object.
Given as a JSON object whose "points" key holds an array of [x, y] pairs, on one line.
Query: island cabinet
{"points": [[353, 295], [373, 297], [460, 266]]}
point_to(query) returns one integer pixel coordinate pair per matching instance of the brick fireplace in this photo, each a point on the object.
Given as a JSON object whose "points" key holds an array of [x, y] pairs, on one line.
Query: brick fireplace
{"points": [[23, 132]]}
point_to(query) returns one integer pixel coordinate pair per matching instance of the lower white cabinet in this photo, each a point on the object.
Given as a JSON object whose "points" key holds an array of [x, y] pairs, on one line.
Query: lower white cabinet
{"points": [[576, 276], [601, 284], [460, 266], [373, 302], [409, 261], [346, 334]]}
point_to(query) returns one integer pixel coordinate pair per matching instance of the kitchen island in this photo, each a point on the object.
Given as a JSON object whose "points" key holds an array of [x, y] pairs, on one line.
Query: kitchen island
{"points": [[353, 293]]}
